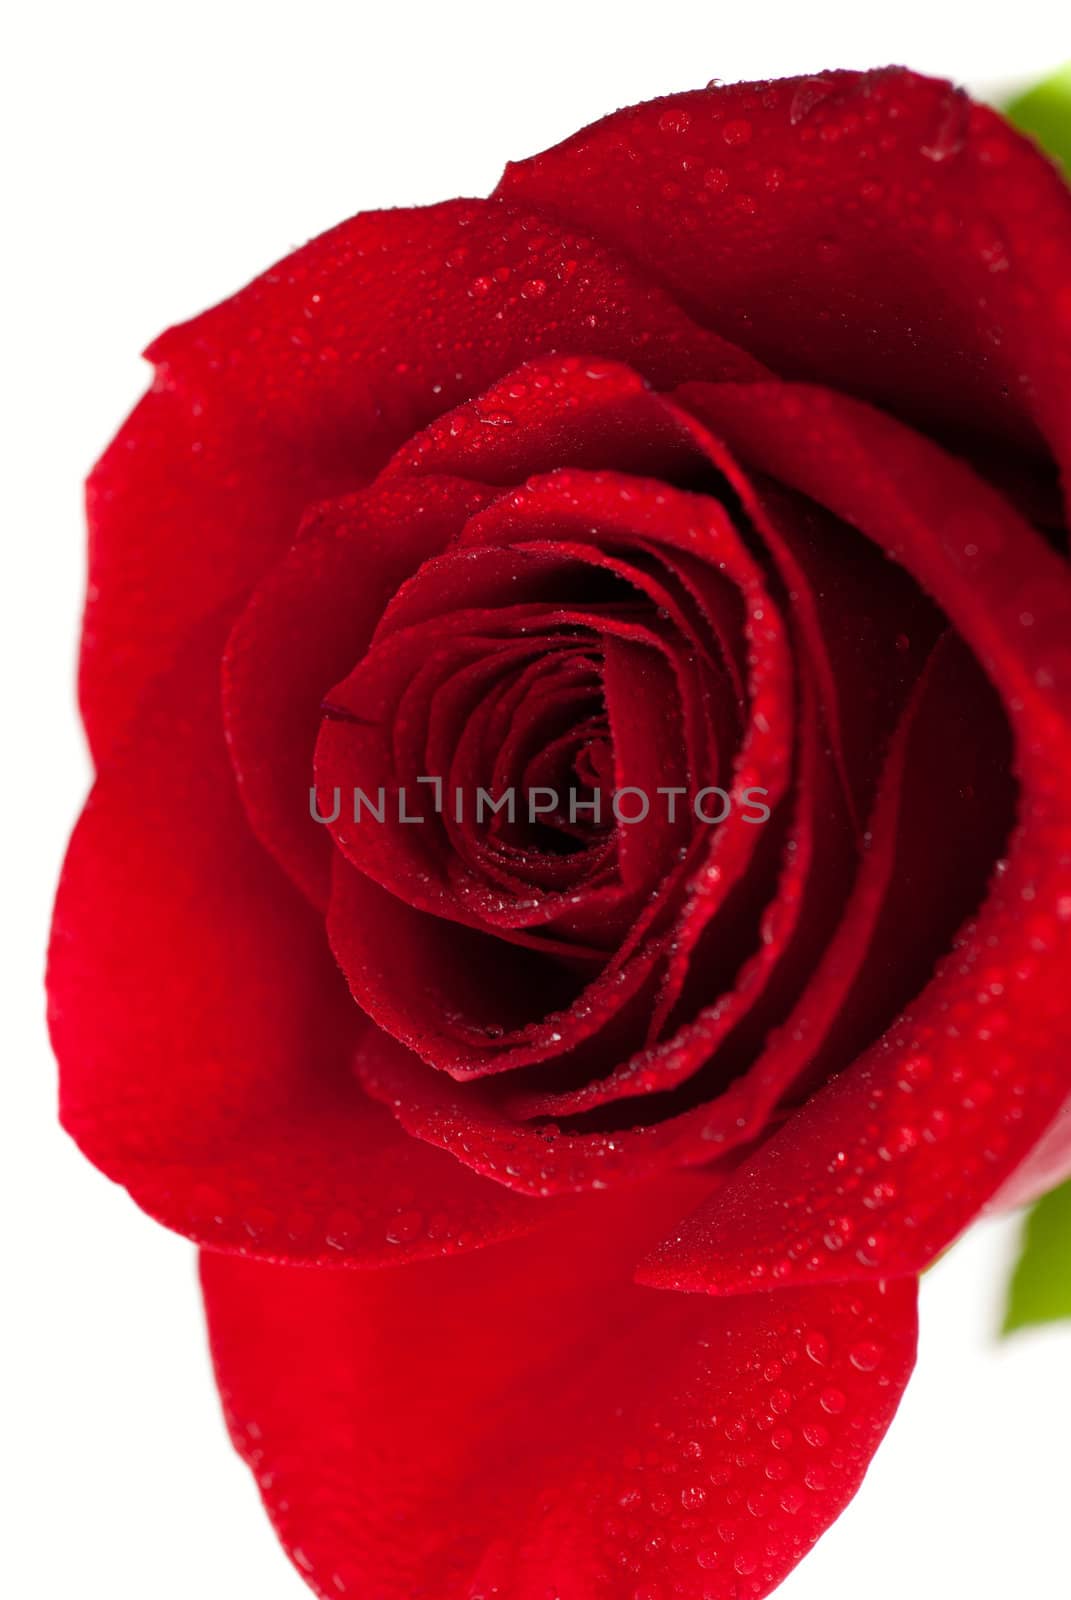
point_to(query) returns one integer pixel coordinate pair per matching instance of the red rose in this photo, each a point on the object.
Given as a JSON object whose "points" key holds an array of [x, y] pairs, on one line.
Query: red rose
{"points": [[484, 493]]}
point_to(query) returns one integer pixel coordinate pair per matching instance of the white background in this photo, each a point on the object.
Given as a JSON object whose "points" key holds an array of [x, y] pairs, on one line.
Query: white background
{"points": [[159, 158]]}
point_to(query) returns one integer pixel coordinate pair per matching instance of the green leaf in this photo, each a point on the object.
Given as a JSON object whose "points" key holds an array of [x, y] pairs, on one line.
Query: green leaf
{"points": [[1044, 112], [1040, 1289]]}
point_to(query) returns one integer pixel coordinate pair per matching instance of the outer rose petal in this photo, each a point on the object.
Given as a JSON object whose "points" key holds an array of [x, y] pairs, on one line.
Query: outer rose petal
{"points": [[526, 1421], [885, 1166], [873, 230], [204, 1034], [300, 387]]}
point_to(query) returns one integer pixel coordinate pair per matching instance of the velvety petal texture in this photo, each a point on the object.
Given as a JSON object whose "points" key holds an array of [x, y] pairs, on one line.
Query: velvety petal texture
{"points": [[300, 387], [775, 212], [575, 909], [214, 1079], [527, 1421]]}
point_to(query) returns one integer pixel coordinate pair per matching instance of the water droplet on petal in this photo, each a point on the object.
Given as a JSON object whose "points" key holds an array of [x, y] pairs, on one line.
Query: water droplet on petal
{"points": [[737, 132], [810, 93]]}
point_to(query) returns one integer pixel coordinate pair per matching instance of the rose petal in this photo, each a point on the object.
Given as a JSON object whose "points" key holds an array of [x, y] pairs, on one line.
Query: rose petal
{"points": [[203, 1031], [537, 1424], [876, 231], [303, 629], [467, 1000], [929, 1123], [564, 411], [298, 388]]}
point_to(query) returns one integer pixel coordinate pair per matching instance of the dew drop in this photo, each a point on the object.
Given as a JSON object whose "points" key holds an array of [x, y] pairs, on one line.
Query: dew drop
{"points": [[991, 246], [737, 132], [404, 1227], [675, 121], [810, 93], [343, 1230], [950, 134], [817, 1347], [866, 1356]]}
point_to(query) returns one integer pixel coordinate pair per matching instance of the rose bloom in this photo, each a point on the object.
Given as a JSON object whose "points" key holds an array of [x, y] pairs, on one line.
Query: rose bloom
{"points": [[563, 1185]]}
